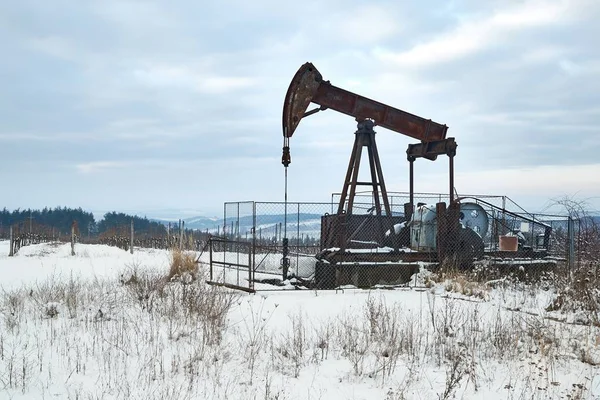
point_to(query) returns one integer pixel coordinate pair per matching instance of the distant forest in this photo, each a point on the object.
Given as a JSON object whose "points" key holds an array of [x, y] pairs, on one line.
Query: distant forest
{"points": [[61, 218]]}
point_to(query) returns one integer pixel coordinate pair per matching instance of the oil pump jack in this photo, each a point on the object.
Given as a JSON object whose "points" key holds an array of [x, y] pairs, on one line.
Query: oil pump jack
{"points": [[344, 230], [308, 86]]}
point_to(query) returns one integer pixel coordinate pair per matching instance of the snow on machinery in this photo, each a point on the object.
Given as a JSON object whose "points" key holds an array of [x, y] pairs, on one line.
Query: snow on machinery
{"points": [[382, 246]]}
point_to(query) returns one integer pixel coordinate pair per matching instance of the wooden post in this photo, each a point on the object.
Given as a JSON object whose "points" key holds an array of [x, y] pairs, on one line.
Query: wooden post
{"points": [[168, 237], [181, 225], [10, 251], [73, 239], [131, 239]]}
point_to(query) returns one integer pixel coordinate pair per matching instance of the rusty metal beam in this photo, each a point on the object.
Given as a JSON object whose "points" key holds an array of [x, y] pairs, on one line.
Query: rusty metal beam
{"points": [[308, 86], [431, 150]]}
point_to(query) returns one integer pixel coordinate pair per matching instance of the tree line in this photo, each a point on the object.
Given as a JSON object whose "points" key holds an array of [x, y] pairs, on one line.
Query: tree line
{"points": [[60, 219]]}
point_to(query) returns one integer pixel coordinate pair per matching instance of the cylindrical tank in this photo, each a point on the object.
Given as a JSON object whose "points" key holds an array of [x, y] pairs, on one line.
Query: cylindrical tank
{"points": [[423, 226], [423, 229], [474, 217]]}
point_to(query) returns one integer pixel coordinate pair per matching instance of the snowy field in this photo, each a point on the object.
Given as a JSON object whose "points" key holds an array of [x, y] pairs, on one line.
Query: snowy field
{"points": [[106, 324]]}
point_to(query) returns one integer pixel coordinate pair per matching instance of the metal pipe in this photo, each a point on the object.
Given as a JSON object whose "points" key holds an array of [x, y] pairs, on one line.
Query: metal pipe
{"points": [[253, 265], [451, 157], [210, 256], [411, 178], [298, 240]]}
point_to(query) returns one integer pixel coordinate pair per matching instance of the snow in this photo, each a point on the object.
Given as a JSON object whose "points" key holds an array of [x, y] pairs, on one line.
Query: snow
{"points": [[397, 228], [382, 249], [70, 328]]}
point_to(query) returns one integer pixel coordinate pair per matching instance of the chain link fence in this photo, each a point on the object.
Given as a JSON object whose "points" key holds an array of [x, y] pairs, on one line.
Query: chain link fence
{"points": [[274, 245]]}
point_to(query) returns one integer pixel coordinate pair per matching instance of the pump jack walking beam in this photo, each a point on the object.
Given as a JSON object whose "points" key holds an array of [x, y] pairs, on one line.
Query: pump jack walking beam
{"points": [[308, 86]]}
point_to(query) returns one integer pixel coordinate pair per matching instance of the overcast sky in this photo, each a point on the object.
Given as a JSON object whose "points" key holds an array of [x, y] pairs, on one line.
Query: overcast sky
{"points": [[154, 106]]}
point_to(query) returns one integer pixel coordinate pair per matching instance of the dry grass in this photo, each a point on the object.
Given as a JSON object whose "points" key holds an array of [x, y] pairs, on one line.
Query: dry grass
{"points": [[183, 266], [577, 291], [458, 281]]}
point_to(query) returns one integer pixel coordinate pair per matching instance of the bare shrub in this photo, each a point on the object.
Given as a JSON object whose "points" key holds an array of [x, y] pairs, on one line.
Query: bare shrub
{"points": [[144, 286], [502, 336], [354, 338], [73, 296], [55, 294], [384, 323], [412, 340], [457, 368], [323, 333], [291, 349], [448, 319], [455, 280], [542, 336], [51, 290], [587, 229], [298, 343], [211, 304], [577, 289], [183, 266], [255, 337], [198, 304], [376, 338], [13, 304]]}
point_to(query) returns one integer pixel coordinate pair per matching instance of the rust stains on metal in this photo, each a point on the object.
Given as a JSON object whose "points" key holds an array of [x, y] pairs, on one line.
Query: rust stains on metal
{"points": [[308, 86], [300, 93]]}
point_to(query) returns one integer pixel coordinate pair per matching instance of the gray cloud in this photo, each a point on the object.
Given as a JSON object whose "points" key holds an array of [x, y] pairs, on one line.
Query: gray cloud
{"points": [[122, 104]]}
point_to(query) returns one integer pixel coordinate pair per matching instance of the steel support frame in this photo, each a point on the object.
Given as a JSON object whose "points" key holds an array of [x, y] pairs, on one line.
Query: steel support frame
{"points": [[431, 150], [364, 137]]}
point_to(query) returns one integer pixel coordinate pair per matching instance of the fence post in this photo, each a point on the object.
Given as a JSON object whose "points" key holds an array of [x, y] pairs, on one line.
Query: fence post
{"points": [[10, 251], [503, 231], [250, 280], [253, 243], [181, 225], [533, 240], [298, 241], [168, 235], [210, 256], [131, 239], [73, 239]]}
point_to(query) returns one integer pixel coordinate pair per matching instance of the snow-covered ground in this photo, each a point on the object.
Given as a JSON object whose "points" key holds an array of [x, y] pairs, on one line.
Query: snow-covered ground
{"points": [[105, 324]]}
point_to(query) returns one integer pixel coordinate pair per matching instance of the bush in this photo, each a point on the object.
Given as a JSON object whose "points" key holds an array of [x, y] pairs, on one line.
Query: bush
{"points": [[183, 266]]}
